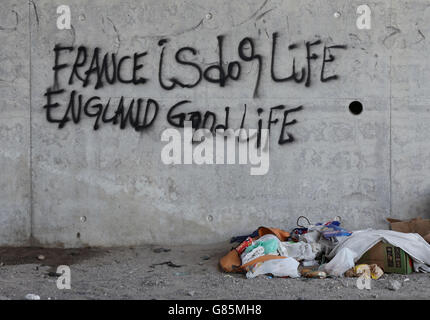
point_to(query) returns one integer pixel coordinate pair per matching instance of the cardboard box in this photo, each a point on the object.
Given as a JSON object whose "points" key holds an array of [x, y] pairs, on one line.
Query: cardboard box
{"points": [[417, 225], [389, 258]]}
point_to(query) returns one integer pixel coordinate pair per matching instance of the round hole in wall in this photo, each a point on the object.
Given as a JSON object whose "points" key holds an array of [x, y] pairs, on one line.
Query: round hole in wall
{"points": [[356, 107], [83, 219], [210, 218]]}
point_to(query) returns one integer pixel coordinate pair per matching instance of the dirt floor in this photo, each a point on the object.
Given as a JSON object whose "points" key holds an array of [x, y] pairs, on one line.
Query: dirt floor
{"points": [[174, 272]]}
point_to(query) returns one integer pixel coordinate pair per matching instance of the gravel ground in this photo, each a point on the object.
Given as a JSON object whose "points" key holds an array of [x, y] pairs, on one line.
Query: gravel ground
{"points": [[145, 273]]}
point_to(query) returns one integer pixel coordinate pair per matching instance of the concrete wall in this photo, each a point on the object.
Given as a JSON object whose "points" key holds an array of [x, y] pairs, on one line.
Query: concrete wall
{"points": [[15, 150], [76, 186]]}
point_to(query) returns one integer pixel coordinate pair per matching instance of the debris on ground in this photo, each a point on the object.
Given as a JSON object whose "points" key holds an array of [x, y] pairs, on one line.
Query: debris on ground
{"points": [[328, 250], [191, 293], [310, 273], [53, 274], [162, 282], [394, 285], [32, 296], [373, 271], [168, 263], [41, 257]]}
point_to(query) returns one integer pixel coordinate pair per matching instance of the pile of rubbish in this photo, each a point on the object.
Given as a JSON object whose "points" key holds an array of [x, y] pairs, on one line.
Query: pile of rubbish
{"points": [[326, 249]]}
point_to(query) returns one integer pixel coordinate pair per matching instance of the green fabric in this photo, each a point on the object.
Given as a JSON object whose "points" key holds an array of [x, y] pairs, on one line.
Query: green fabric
{"points": [[270, 246]]}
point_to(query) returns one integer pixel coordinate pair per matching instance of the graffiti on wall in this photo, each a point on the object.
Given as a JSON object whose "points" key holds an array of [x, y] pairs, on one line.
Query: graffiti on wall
{"points": [[95, 69]]}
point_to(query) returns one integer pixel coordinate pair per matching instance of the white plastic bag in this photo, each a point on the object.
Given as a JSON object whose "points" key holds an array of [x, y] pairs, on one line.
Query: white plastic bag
{"points": [[342, 261], [421, 267], [278, 267], [311, 236], [254, 254], [362, 240]]}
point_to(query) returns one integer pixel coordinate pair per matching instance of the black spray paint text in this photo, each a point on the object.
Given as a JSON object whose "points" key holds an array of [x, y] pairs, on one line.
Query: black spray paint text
{"points": [[95, 69]]}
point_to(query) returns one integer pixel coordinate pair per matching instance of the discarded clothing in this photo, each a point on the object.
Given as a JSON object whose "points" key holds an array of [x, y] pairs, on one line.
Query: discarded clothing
{"points": [[254, 254], [332, 229], [231, 262], [299, 250], [243, 238], [311, 237], [272, 251], [269, 242]]}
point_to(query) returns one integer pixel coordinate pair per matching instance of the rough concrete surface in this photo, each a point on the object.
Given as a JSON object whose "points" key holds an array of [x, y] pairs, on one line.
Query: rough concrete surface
{"points": [[78, 187], [133, 273], [15, 171]]}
